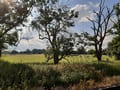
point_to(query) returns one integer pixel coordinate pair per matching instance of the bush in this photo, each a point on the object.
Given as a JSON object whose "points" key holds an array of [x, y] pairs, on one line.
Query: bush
{"points": [[73, 74], [21, 76], [15, 76], [48, 77], [108, 69]]}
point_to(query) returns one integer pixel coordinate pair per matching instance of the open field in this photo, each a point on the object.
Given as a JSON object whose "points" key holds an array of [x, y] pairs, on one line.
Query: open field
{"points": [[40, 58], [31, 72]]}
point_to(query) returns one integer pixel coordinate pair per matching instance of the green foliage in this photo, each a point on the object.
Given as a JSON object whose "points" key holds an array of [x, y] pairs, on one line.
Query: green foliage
{"points": [[20, 76], [114, 47], [72, 74], [91, 51], [47, 77], [108, 69], [8, 39], [12, 14], [117, 24], [81, 50], [15, 76], [52, 24]]}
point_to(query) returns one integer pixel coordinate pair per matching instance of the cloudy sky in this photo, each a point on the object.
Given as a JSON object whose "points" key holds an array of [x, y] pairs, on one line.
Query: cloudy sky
{"points": [[85, 8]]}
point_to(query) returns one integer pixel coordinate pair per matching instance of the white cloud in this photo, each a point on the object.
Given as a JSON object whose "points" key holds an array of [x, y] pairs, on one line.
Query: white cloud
{"points": [[85, 11], [93, 5], [34, 42], [30, 44], [30, 40]]}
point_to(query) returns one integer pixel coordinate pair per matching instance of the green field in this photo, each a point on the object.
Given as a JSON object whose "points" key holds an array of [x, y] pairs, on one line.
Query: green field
{"points": [[32, 71], [40, 58]]}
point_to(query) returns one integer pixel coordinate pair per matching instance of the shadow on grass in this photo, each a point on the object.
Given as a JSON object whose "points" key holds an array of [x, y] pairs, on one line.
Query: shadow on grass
{"points": [[20, 76], [17, 76], [109, 69]]}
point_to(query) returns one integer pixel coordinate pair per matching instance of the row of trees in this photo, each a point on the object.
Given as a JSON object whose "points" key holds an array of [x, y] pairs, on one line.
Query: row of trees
{"points": [[52, 22], [79, 51], [34, 51]]}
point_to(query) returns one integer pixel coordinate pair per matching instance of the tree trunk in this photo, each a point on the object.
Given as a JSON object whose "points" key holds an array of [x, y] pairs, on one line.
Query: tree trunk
{"points": [[99, 55], [56, 59]]}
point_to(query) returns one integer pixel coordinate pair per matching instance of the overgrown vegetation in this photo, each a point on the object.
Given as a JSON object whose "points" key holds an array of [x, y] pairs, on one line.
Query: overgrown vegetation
{"points": [[21, 76], [17, 76]]}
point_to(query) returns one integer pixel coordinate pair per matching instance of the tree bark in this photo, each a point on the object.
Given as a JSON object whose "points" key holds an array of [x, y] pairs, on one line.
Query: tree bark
{"points": [[56, 58], [99, 55]]}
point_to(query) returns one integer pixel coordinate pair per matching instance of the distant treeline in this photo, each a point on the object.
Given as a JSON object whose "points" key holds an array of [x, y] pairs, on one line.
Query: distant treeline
{"points": [[42, 51], [34, 51]]}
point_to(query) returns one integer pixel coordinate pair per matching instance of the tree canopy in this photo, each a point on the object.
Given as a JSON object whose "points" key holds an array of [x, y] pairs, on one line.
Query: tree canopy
{"points": [[52, 24], [13, 13]]}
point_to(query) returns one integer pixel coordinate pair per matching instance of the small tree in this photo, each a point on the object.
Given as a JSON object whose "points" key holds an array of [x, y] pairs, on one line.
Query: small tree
{"points": [[91, 51], [52, 24], [101, 28], [81, 50], [114, 45]]}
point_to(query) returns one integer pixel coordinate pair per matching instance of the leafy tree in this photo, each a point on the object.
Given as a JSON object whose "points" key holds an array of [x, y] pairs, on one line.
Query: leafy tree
{"points": [[114, 45], [52, 24], [81, 50], [13, 13], [101, 28], [117, 23], [38, 51], [14, 52], [91, 51], [8, 39]]}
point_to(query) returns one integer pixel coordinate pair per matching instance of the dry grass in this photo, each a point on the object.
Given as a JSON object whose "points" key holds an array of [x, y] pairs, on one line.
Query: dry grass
{"points": [[91, 84]]}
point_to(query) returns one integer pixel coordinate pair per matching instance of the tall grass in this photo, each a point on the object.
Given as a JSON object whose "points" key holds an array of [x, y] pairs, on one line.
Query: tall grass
{"points": [[40, 58], [29, 71]]}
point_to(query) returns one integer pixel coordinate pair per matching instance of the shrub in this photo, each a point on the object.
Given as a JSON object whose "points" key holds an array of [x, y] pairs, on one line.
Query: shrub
{"points": [[15, 75], [48, 77], [108, 69], [72, 74]]}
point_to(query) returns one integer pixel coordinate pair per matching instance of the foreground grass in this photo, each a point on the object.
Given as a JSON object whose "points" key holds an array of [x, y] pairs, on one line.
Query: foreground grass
{"points": [[46, 77], [28, 71]]}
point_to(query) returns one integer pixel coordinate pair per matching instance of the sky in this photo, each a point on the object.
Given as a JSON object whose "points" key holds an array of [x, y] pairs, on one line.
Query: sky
{"points": [[85, 8]]}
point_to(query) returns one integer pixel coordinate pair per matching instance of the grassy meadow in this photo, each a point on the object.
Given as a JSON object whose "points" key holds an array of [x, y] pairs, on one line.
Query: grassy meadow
{"points": [[32, 72], [40, 58]]}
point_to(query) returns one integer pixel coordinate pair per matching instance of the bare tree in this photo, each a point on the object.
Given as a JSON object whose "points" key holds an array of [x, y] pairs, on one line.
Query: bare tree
{"points": [[101, 28]]}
